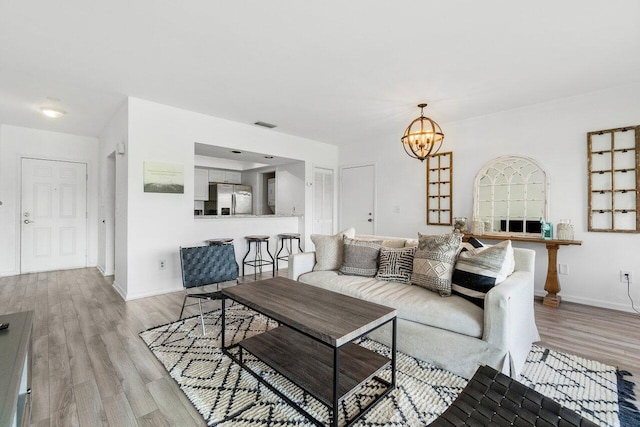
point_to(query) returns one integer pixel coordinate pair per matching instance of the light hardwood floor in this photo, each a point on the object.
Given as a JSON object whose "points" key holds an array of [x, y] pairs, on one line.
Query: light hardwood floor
{"points": [[91, 368]]}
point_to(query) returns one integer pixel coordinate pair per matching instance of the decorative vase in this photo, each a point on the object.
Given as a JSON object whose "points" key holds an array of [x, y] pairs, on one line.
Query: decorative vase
{"points": [[477, 227], [460, 224], [565, 230]]}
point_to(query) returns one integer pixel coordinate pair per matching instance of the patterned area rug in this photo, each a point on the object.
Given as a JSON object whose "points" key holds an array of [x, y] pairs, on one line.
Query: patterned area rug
{"points": [[226, 395]]}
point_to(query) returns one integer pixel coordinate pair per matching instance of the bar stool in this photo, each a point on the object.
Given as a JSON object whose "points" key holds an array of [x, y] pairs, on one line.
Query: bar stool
{"points": [[219, 241], [286, 242], [258, 261]]}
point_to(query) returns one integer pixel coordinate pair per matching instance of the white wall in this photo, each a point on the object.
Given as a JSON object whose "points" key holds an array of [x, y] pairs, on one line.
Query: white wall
{"points": [[159, 223], [17, 142], [552, 133], [112, 242], [290, 188]]}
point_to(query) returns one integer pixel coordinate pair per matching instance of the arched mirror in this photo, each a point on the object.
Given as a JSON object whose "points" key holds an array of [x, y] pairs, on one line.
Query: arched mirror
{"points": [[511, 195]]}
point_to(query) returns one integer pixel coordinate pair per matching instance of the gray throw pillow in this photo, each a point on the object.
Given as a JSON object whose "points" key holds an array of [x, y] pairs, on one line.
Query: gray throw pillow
{"points": [[329, 249], [396, 264], [360, 257], [434, 261]]}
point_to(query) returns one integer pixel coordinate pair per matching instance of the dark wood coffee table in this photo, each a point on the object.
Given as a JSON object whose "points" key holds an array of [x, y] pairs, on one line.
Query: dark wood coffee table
{"points": [[313, 345]]}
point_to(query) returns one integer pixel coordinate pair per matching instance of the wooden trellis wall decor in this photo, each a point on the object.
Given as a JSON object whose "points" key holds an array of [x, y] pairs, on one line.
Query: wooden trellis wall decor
{"points": [[614, 180], [440, 189]]}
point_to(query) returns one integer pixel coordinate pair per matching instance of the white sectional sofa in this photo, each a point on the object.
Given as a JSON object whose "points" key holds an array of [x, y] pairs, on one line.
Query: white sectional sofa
{"points": [[450, 332]]}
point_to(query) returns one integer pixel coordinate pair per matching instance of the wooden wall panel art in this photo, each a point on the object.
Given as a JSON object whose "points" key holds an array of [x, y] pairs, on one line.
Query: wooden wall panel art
{"points": [[440, 189]]}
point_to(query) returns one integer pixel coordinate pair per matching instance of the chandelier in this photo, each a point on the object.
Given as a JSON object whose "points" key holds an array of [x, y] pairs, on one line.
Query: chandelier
{"points": [[423, 137]]}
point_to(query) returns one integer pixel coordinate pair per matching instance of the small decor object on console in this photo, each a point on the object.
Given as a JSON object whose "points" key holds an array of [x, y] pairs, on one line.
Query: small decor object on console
{"points": [[434, 260], [565, 230], [460, 224], [546, 229], [477, 227]]}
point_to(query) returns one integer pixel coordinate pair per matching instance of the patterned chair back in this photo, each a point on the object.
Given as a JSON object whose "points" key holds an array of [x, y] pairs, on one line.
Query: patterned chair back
{"points": [[205, 265]]}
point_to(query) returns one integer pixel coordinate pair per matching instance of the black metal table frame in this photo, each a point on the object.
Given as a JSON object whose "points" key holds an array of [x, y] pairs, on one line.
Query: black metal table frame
{"points": [[336, 371]]}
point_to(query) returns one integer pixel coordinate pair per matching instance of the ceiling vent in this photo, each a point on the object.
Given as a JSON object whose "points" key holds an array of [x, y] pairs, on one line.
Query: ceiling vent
{"points": [[265, 125]]}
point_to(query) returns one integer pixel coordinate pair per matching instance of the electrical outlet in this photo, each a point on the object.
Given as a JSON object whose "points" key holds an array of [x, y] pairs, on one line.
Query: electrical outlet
{"points": [[163, 264], [563, 269], [624, 275]]}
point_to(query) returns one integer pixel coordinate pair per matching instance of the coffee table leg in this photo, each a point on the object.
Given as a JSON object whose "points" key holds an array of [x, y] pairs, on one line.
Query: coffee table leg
{"points": [[223, 322], [336, 377], [393, 354]]}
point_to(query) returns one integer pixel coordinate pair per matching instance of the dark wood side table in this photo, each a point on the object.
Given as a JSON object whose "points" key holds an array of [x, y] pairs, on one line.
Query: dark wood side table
{"points": [[15, 369], [552, 283]]}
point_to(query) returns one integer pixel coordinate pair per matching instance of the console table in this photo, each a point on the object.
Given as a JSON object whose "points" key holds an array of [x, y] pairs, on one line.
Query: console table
{"points": [[552, 283]]}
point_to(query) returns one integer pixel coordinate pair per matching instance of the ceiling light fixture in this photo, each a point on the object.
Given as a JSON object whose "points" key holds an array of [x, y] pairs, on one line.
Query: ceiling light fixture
{"points": [[268, 157], [52, 112], [423, 137], [236, 152], [265, 125]]}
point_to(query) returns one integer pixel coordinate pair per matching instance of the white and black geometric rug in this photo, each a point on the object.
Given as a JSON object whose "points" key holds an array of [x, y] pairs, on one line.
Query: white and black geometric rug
{"points": [[226, 395]]}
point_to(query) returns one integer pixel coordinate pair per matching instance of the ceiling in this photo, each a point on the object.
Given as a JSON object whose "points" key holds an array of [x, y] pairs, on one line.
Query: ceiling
{"points": [[334, 71], [240, 160]]}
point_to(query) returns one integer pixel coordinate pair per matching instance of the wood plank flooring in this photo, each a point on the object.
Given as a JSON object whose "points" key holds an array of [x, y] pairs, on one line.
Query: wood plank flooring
{"points": [[91, 368]]}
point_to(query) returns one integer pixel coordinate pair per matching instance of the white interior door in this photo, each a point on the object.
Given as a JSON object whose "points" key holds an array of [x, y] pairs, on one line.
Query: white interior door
{"points": [[54, 215], [322, 201], [358, 199]]}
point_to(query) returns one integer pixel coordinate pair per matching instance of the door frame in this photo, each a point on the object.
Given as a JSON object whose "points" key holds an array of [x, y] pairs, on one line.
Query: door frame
{"points": [[19, 203], [334, 214], [375, 192]]}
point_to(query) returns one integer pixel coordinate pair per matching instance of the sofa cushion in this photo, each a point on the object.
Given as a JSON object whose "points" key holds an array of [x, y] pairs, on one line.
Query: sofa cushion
{"points": [[479, 268], [329, 249], [360, 257], [412, 302], [396, 264], [434, 260]]}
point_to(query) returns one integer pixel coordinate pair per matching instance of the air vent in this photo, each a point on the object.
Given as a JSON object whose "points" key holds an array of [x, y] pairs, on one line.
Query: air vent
{"points": [[265, 125]]}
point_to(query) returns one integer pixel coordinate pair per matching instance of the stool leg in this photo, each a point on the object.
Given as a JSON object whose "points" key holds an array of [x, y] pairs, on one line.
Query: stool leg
{"points": [[299, 248], [273, 263], [281, 242], [257, 257], [246, 255]]}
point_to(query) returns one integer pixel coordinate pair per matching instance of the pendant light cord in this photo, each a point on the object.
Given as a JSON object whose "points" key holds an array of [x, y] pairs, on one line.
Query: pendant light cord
{"points": [[633, 307]]}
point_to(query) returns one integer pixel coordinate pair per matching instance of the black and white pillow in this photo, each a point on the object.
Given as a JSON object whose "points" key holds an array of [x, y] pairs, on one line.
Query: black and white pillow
{"points": [[360, 257], [396, 264], [479, 268]]}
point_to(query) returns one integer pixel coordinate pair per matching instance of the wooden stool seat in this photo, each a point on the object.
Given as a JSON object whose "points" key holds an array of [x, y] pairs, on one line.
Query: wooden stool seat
{"points": [[258, 237], [289, 235], [219, 241]]}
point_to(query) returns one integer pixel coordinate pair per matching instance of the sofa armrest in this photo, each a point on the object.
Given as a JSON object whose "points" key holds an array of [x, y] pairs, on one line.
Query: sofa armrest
{"points": [[301, 263], [509, 319]]}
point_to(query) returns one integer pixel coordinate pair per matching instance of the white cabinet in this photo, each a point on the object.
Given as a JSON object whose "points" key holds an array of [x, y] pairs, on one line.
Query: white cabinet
{"points": [[216, 175], [201, 184], [228, 177]]}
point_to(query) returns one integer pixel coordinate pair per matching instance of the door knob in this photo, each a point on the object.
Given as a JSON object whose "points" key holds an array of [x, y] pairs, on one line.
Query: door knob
{"points": [[26, 221], [370, 220]]}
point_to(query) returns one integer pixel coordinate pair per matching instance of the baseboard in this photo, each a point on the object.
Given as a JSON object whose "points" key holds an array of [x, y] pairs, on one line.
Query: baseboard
{"points": [[139, 295], [119, 290], [100, 269], [591, 302]]}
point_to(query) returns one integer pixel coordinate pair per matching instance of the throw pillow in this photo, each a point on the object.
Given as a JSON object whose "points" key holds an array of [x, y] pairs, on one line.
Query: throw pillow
{"points": [[396, 264], [434, 260], [329, 249], [360, 257], [479, 268]]}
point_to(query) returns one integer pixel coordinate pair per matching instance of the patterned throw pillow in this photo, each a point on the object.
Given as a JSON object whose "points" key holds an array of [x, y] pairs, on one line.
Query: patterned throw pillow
{"points": [[329, 249], [434, 260], [396, 264], [479, 268], [360, 257]]}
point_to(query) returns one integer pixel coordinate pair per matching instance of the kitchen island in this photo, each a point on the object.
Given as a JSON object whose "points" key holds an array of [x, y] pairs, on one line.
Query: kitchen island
{"points": [[239, 226]]}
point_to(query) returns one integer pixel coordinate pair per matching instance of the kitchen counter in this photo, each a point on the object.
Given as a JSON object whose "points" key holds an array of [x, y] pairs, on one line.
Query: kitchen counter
{"points": [[220, 217]]}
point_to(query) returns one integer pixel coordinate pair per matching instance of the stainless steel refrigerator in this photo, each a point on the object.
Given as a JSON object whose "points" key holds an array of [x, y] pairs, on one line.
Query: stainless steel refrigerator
{"points": [[229, 199]]}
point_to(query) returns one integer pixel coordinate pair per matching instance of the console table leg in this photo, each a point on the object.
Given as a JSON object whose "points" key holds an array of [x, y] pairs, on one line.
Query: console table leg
{"points": [[552, 284]]}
